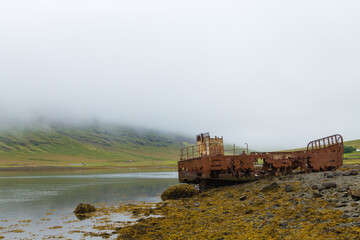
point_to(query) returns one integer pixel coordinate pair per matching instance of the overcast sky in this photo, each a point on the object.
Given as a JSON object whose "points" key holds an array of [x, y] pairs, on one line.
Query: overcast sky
{"points": [[274, 74]]}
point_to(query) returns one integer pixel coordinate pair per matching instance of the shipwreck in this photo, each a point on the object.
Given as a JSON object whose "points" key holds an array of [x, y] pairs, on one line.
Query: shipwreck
{"points": [[208, 162]]}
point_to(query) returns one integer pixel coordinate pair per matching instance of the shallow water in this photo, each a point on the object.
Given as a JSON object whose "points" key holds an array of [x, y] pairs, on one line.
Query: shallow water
{"points": [[46, 200]]}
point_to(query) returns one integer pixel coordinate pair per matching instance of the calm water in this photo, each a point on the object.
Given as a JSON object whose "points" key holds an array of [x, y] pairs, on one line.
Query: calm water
{"points": [[46, 200]]}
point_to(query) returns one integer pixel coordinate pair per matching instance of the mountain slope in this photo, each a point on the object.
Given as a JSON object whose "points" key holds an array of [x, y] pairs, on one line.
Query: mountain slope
{"points": [[89, 145]]}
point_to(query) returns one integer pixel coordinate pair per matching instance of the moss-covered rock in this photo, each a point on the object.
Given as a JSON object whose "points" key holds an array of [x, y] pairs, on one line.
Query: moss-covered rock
{"points": [[179, 191], [84, 208], [271, 187]]}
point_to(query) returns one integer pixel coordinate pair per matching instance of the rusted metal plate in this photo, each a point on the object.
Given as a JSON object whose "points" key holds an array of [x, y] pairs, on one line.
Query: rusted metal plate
{"points": [[208, 160]]}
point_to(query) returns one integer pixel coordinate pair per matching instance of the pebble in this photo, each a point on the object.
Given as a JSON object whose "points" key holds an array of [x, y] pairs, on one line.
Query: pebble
{"points": [[229, 195], [271, 187], [242, 198], [338, 205], [343, 188], [314, 187], [353, 172], [329, 185], [289, 188], [283, 224], [317, 195]]}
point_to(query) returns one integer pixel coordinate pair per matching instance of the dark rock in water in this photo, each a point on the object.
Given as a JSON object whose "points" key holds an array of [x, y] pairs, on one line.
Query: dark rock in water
{"points": [[337, 173], [329, 185], [179, 191], [346, 173], [353, 172], [272, 187], [321, 188], [84, 208], [314, 187], [242, 198], [289, 188], [344, 216], [354, 192], [330, 175], [317, 195]]}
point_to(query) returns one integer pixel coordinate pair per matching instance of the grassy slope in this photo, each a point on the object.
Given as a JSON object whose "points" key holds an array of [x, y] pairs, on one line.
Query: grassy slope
{"points": [[99, 145], [354, 157], [93, 145]]}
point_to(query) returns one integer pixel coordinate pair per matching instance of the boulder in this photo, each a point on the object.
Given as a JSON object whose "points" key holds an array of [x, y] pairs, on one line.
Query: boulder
{"points": [[328, 185], [271, 187], [84, 208], [354, 192], [179, 191]]}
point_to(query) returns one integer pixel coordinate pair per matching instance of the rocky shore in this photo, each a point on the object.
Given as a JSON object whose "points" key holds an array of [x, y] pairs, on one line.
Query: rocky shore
{"points": [[324, 205]]}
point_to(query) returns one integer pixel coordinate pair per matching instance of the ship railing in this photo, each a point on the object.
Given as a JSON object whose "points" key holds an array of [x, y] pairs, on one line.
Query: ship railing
{"points": [[215, 149], [325, 142]]}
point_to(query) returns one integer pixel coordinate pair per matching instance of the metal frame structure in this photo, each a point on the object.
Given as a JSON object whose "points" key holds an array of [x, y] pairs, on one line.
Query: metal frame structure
{"points": [[208, 161]]}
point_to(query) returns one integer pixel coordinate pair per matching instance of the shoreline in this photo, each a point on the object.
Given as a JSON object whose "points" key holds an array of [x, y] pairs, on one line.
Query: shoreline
{"points": [[298, 207], [64, 168], [86, 168]]}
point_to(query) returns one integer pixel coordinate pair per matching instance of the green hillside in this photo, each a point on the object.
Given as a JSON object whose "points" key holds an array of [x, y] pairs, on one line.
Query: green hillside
{"points": [[95, 145], [354, 157], [99, 145]]}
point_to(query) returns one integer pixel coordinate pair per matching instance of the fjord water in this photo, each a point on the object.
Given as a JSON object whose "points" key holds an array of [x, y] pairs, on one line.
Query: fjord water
{"points": [[32, 196]]}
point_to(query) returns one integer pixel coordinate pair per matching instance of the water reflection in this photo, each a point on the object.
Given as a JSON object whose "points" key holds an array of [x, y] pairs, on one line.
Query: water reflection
{"points": [[33, 196]]}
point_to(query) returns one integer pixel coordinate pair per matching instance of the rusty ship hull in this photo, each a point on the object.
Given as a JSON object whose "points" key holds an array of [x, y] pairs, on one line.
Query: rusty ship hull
{"points": [[207, 161]]}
